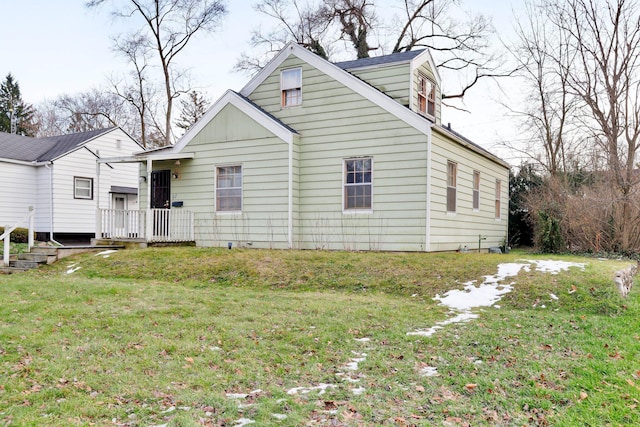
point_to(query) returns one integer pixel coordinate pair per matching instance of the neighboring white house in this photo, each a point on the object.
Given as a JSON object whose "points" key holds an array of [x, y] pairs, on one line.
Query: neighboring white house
{"points": [[311, 154], [58, 177]]}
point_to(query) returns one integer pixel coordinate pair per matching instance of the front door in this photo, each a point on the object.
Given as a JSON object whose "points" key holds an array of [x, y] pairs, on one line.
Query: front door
{"points": [[160, 196], [160, 189]]}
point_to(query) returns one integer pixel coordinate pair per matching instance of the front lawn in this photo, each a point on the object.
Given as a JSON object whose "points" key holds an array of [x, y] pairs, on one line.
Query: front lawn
{"points": [[192, 337]]}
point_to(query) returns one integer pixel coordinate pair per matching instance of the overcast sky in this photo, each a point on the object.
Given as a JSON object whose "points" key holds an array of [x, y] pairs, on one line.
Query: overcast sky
{"points": [[59, 47]]}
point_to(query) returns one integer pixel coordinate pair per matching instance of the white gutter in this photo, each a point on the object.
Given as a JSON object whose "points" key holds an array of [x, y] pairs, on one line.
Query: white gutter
{"points": [[49, 166], [290, 198]]}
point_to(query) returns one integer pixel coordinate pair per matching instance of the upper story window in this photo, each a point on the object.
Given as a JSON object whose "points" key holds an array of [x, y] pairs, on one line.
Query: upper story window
{"points": [[291, 87], [426, 96], [82, 188], [452, 178], [358, 185], [476, 190], [229, 188]]}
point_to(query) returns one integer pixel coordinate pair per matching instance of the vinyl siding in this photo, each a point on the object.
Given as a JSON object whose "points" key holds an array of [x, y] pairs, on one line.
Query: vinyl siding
{"points": [[232, 138], [336, 123], [392, 79], [18, 186], [462, 228]]}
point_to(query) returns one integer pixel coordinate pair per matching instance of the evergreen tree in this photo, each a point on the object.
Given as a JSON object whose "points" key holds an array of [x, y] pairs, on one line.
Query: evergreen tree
{"points": [[12, 107], [192, 109]]}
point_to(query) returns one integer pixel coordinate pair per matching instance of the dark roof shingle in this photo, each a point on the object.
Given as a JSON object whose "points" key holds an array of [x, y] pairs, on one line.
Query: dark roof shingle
{"points": [[379, 60]]}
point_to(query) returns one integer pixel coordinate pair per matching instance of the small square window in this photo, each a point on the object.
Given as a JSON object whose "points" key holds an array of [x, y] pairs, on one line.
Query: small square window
{"points": [[291, 87], [82, 188]]}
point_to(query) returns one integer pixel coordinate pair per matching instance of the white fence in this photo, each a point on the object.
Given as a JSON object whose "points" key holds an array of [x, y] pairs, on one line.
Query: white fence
{"points": [[6, 236], [152, 225]]}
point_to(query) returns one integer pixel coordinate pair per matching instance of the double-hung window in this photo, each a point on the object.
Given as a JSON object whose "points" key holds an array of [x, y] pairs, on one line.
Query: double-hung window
{"points": [[82, 188], [452, 172], [291, 87], [498, 191], [426, 96], [229, 188], [358, 184], [476, 190]]}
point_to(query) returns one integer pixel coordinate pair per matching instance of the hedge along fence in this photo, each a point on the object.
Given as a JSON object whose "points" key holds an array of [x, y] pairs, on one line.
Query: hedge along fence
{"points": [[19, 235]]}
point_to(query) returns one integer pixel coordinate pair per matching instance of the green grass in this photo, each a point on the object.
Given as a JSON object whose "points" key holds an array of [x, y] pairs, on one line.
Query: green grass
{"points": [[14, 248], [164, 335]]}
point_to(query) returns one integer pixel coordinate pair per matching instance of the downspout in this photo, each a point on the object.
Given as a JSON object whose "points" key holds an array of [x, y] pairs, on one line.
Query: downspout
{"points": [[427, 239], [290, 198], [50, 167]]}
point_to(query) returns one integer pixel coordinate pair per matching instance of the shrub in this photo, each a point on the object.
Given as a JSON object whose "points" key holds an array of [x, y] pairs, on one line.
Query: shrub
{"points": [[19, 235]]}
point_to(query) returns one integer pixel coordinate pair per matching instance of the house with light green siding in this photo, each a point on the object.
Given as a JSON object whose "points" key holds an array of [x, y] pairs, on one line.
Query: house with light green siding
{"points": [[318, 155]]}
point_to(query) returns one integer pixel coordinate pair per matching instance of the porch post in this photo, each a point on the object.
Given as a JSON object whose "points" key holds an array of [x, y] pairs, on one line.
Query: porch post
{"points": [[149, 216], [97, 196]]}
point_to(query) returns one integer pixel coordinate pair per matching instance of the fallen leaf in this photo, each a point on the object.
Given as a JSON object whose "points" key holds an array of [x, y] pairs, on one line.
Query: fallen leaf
{"points": [[583, 395], [189, 359], [471, 386]]}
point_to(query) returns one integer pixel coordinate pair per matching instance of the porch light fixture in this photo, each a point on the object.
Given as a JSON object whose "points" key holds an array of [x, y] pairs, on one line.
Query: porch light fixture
{"points": [[143, 178], [177, 163], [175, 175]]}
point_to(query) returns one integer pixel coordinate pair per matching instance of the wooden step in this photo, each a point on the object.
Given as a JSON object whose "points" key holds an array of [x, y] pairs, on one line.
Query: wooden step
{"points": [[24, 264], [47, 250], [11, 270], [35, 257]]}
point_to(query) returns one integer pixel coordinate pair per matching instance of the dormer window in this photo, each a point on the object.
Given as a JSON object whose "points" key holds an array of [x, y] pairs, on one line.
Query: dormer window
{"points": [[291, 87], [426, 96]]}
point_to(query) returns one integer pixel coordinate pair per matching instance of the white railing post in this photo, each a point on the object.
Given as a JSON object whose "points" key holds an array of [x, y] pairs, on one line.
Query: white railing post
{"points": [[31, 228], [7, 246]]}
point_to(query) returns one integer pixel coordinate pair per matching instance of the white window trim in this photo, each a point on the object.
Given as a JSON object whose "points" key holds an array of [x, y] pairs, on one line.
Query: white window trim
{"points": [[473, 190], [283, 89], [343, 186], [215, 190], [446, 202], [75, 187], [426, 97]]}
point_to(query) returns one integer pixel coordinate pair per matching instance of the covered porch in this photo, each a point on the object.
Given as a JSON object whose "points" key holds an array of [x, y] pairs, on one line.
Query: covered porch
{"points": [[159, 219]]}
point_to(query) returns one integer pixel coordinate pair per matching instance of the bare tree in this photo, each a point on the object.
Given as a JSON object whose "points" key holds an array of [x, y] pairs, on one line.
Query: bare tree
{"points": [[320, 25], [605, 36], [168, 27], [543, 62], [90, 110]]}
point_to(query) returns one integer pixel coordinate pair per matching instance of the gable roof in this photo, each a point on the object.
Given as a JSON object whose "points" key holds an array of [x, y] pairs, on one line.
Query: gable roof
{"points": [[248, 107], [354, 83], [398, 57], [28, 149]]}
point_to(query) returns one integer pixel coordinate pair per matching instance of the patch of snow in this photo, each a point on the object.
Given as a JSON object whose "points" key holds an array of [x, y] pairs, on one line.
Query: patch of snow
{"points": [[358, 391], [362, 339], [460, 317], [106, 253], [169, 410], [555, 267], [429, 371], [554, 297], [71, 268], [280, 417], [237, 395], [214, 348], [243, 422], [305, 390]]}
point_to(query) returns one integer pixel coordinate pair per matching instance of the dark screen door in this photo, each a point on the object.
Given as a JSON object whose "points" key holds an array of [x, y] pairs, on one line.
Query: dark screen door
{"points": [[160, 189]]}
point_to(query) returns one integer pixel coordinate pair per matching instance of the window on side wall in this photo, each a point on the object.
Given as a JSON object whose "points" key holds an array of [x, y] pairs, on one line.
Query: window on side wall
{"points": [[426, 96], [82, 188], [291, 87], [452, 172], [358, 185], [229, 188], [476, 190], [498, 191]]}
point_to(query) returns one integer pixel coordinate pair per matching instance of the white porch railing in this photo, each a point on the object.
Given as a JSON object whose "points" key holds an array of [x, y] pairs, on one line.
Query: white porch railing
{"points": [[6, 236], [152, 225]]}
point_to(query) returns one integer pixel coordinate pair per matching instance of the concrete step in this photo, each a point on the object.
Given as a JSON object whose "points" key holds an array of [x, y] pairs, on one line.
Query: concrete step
{"points": [[35, 257], [24, 264], [47, 250], [11, 270]]}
